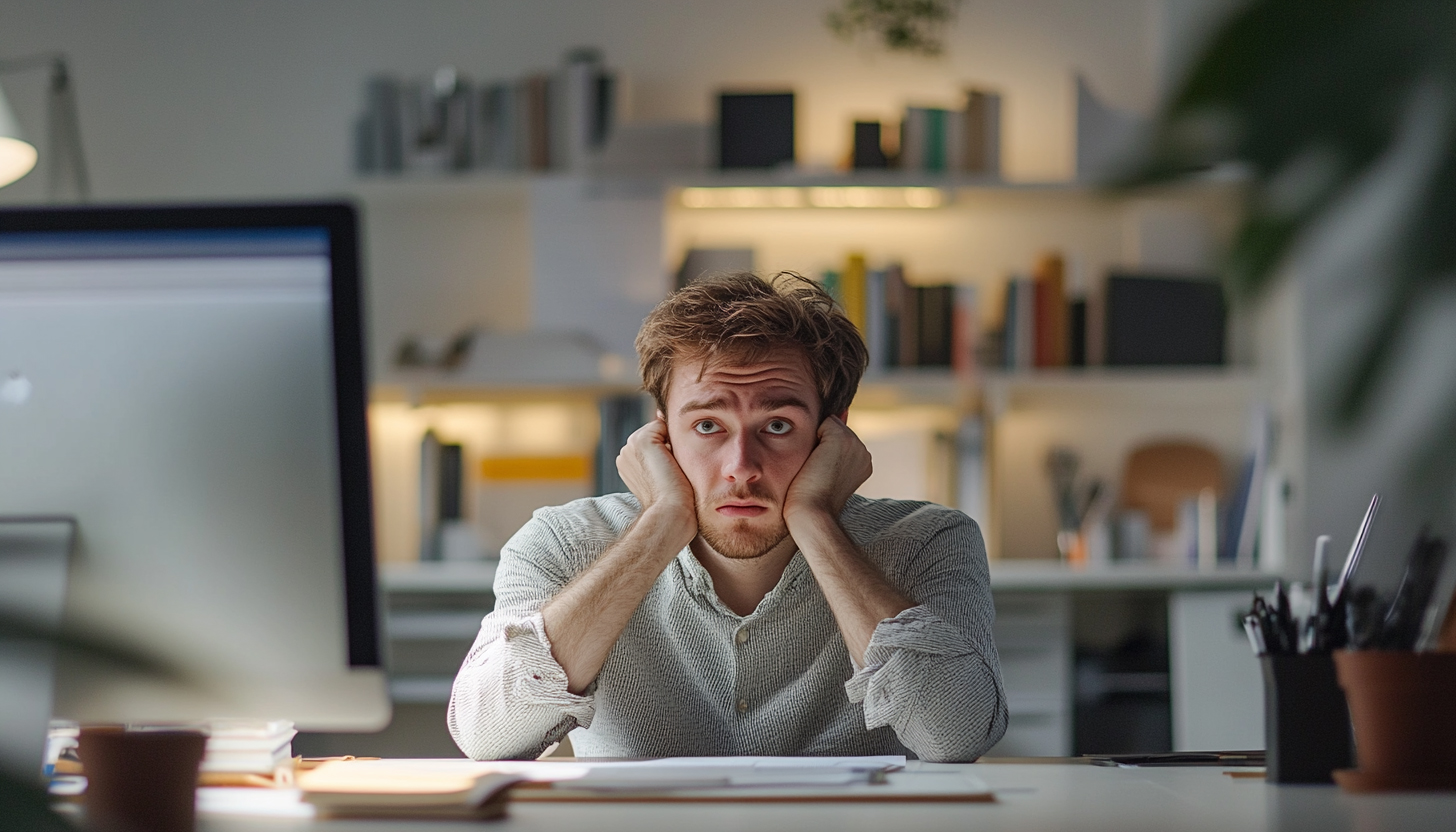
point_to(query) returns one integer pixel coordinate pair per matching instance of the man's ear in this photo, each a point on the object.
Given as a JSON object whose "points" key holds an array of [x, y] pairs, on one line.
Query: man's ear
{"points": [[843, 415]]}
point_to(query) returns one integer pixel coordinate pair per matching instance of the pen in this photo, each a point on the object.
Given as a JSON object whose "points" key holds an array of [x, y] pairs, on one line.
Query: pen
{"points": [[1319, 638], [1256, 638], [1357, 547]]}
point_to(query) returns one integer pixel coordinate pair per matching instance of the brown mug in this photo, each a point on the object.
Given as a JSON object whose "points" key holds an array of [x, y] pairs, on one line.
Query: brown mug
{"points": [[141, 781]]}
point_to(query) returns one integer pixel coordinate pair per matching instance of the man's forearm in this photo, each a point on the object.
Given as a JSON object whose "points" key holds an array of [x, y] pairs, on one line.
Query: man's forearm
{"points": [[585, 619], [858, 594]]}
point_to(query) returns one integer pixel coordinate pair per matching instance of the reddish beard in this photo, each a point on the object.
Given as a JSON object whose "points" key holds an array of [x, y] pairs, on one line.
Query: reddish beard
{"points": [[742, 538]]}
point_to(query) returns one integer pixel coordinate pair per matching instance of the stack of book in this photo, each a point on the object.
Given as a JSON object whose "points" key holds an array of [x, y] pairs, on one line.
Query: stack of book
{"points": [[554, 120], [1041, 326], [968, 140], [241, 748], [903, 325]]}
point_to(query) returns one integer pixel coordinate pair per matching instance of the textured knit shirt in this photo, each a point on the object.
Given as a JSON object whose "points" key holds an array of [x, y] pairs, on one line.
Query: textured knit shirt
{"points": [[689, 677]]}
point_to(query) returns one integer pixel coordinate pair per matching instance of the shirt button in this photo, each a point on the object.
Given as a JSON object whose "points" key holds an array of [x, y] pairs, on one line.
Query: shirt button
{"points": [[743, 706], [741, 636]]}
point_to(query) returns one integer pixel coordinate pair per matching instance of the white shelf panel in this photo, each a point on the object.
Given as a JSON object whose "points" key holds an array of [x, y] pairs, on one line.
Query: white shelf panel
{"points": [[420, 690], [1050, 576], [438, 576], [432, 625]]}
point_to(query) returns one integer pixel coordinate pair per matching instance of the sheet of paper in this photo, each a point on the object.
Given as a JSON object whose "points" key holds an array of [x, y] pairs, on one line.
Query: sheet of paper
{"points": [[263, 803]]}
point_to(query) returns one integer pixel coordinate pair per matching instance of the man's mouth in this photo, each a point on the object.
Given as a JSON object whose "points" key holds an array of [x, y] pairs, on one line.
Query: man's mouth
{"points": [[741, 509]]}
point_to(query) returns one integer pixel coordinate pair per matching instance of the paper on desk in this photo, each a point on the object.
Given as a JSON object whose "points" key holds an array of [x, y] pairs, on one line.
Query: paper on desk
{"points": [[269, 803], [675, 773]]}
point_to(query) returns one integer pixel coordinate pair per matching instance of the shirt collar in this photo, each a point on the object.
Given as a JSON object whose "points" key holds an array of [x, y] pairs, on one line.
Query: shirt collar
{"points": [[698, 581]]}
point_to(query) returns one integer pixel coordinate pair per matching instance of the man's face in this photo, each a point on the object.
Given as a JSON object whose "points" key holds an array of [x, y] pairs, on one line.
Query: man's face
{"points": [[740, 435]]}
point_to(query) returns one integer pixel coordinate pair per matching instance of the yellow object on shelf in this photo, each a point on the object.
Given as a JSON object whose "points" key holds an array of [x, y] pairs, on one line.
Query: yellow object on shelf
{"points": [[536, 468]]}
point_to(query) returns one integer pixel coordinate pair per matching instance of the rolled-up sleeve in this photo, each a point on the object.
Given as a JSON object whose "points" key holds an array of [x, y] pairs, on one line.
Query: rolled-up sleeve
{"points": [[931, 673], [510, 699]]}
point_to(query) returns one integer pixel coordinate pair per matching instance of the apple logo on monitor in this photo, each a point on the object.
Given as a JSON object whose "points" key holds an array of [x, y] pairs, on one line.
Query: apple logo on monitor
{"points": [[15, 389]]}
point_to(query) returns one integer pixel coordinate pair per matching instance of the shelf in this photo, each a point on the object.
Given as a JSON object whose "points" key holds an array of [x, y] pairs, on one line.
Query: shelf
{"points": [[516, 184], [1049, 575], [1080, 387], [438, 576], [1125, 386], [420, 690], [432, 625]]}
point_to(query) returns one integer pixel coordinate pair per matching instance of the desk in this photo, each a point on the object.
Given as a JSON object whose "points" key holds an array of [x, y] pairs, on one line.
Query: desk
{"points": [[1031, 798], [1214, 684]]}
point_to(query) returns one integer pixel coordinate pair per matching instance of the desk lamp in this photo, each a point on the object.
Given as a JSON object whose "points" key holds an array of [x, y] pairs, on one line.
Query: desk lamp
{"points": [[18, 156]]}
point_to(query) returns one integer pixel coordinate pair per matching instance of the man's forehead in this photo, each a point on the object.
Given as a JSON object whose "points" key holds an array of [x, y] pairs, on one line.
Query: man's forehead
{"points": [[775, 376]]}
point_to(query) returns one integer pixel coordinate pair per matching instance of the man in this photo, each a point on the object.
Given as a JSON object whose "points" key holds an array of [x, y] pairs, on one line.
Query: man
{"points": [[741, 599]]}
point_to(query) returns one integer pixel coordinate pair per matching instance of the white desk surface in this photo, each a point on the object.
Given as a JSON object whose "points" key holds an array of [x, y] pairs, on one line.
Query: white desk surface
{"points": [[1030, 798]]}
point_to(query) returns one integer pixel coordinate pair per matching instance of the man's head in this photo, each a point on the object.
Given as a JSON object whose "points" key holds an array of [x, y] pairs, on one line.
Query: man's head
{"points": [[743, 371]]}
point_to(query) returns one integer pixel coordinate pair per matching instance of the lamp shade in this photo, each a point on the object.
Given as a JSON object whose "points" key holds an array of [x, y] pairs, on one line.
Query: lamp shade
{"points": [[17, 156]]}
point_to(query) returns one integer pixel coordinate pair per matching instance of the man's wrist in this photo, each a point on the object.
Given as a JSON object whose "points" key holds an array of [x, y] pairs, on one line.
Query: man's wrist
{"points": [[667, 527]]}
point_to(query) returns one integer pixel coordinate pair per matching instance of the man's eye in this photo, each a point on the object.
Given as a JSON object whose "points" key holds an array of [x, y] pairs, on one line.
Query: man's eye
{"points": [[706, 427], [778, 426]]}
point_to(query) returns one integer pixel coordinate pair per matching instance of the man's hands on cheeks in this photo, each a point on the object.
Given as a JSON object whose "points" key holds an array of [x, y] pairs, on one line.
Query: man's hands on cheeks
{"points": [[859, 595], [586, 617], [838, 465], [653, 475]]}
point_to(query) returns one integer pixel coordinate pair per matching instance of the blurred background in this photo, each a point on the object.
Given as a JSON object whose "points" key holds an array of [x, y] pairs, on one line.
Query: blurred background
{"points": [[1058, 362]]}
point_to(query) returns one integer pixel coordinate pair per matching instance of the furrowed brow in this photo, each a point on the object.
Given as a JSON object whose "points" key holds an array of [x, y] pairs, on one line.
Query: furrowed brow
{"points": [[783, 402], [701, 404]]}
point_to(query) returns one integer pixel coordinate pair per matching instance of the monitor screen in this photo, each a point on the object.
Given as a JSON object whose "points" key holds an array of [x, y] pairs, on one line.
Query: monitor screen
{"points": [[188, 385]]}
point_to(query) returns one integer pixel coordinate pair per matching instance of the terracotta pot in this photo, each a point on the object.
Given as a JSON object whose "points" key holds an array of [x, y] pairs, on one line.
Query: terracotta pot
{"points": [[1403, 707], [141, 781]]}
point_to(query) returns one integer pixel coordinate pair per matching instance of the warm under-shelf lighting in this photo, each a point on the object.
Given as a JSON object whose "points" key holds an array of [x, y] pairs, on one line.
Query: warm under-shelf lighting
{"points": [[837, 196]]}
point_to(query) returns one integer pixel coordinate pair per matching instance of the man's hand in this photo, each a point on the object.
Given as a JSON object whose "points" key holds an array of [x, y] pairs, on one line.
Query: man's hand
{"points": [[585, 619], [839, 465], [651, 472], [858, 593]]}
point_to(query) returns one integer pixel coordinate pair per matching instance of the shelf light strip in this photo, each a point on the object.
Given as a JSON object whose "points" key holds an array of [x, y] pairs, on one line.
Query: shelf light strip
{"points": [[854, 196]]}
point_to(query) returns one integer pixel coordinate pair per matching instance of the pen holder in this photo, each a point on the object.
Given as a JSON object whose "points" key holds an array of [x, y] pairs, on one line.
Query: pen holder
{"points": [[1306, 724], [1405, 725]]}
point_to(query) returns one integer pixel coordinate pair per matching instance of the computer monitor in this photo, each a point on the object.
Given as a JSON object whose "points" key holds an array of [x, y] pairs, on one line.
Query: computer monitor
{"points": [[187, 384]]}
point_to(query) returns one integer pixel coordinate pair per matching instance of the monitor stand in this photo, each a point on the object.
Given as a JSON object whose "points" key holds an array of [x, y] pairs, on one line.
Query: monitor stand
{"points": [[34, 554]]}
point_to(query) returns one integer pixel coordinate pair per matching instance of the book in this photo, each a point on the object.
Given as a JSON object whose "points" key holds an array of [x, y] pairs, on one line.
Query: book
{"points": [[407, 789], [755, 130], [535, 97], [1050, 300], [981, 133], [965, 330], [379, 133], [867, 152], [852, 291], [903, 318], [876, 322], [937, 306]]}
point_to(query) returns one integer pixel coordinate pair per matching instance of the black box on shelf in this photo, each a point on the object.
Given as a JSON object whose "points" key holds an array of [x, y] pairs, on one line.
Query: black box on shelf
{"points": [[868, 153], [1169, 321], [755, 130]]}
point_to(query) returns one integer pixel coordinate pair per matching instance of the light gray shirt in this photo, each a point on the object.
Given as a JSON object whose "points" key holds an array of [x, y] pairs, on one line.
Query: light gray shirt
{"points": [[689, 677]]}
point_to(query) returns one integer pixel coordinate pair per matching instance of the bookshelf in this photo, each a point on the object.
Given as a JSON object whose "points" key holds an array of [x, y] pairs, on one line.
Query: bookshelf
{"points": [[506, 250]]}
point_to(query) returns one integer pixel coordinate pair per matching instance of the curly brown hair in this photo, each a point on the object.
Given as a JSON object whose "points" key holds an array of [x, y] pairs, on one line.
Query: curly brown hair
{"points": [[741, 318]]}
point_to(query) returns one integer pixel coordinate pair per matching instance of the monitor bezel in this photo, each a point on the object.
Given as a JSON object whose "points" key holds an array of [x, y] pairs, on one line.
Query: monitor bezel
{"points": [[341, 221]]}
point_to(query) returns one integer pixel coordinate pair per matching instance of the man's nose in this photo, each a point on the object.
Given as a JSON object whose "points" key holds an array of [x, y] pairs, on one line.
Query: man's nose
{"points": [[744, 460]]}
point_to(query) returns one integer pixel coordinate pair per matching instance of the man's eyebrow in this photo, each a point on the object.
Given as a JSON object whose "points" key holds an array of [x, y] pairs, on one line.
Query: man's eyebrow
{"points": [[782, 402], [701, 404]]}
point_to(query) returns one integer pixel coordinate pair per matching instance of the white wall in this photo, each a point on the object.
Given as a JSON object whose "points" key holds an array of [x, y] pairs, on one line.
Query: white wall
{"points": [[187, 99]]}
